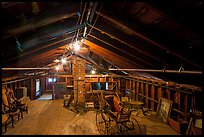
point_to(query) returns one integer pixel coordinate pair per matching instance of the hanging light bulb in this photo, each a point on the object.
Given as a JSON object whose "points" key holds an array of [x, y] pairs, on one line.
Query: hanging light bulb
{"points": [[57, 67], [56, 60], [93, 71], [63, 60], [76, 46]]}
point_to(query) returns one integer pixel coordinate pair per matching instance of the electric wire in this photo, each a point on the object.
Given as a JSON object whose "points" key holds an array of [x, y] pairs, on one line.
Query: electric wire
{"points": [[76, 25], [94, 22]]}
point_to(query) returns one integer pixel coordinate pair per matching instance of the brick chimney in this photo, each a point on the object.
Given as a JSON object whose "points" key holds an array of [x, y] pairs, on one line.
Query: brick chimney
{"points": [[78, 72]]}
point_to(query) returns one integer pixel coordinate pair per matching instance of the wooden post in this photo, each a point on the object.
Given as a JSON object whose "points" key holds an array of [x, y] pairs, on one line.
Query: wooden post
{"points": [[152, 97], [19, 84], [32, 88], [42, 85], [185, 104], [141, 91], [133, 90], [137, 90], [16, 85], [10, 86], [118, 85], [130, 87], [159, 95], [127, 84], [177, 102], [168, 93], [146, 94], [28, 87], [24, 83], [177, 98]]}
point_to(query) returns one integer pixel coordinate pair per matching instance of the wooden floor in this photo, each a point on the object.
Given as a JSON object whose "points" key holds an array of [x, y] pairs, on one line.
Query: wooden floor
{"points": [[49, 117]]}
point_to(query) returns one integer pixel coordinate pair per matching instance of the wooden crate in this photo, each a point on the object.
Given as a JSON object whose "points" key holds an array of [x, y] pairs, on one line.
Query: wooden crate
{"points": [[179, 125]]}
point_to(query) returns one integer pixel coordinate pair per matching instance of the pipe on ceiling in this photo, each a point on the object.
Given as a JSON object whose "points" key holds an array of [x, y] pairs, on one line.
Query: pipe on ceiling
{"points": [[25, 68], [81, 19], [93, 11], [14, 81], [87, 17], [164, 71]]}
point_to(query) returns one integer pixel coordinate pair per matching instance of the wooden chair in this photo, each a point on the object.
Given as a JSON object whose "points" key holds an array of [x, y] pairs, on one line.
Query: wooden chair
{"points": [[11, 112], [125, 102], [116, 110], [9, 108], [12, 100], [5, 120]]}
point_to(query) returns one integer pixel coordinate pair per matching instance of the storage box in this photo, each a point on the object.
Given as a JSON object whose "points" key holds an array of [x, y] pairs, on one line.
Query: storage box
{"points": [[179, 125], [20, 92]]}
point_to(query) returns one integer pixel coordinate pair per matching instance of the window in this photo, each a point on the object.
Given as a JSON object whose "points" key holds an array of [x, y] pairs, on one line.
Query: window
{"points": [[49, 79], [37, 87], [99, 85], [52, 80]]}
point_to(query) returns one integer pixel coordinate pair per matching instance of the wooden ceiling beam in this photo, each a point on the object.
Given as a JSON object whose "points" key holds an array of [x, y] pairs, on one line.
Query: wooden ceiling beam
{"points": [[124, 26], [112, 57], [38, 24], [133, 47], [36, 59]]}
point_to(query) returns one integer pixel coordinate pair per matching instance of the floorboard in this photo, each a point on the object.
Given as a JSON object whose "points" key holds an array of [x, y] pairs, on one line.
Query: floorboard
{"points": [[49, 117]]}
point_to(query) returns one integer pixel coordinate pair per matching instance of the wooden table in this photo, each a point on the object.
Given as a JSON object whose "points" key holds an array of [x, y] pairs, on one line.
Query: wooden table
{"points": [[137, 105]]}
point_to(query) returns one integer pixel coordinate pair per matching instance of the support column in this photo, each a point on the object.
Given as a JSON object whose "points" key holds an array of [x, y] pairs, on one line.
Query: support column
{"points": [[78, 72]]}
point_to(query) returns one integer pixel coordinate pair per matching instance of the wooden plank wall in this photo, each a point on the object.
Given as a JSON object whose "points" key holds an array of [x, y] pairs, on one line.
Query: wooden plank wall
{"points": [[149, 91]]}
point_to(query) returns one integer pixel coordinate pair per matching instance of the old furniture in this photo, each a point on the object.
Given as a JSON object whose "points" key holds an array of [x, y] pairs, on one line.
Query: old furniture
{"points": [[112, 118]]}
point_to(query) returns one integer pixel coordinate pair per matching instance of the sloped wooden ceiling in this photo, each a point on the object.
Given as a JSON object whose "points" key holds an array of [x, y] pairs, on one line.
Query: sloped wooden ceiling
{"points": [[127, 35]]}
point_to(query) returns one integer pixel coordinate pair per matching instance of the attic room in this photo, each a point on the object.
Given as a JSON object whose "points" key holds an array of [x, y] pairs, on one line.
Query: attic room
{"points": [[102, 68]]}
